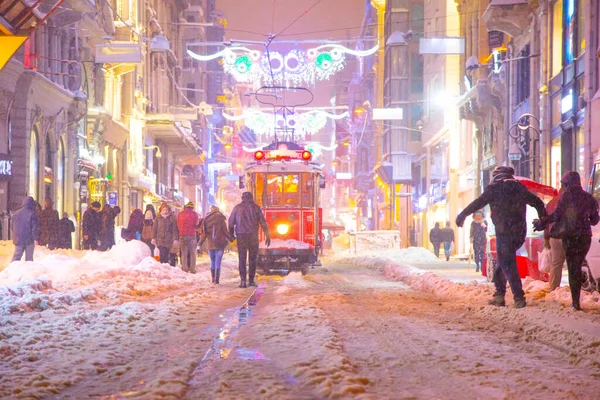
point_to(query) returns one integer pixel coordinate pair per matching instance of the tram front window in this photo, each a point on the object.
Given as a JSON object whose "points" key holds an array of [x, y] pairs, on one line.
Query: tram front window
{"points": [[282, 190]]}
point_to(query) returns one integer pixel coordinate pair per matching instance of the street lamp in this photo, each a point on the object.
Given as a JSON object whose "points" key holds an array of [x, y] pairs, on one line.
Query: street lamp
{"points": [[519, 145], [158, 153]]}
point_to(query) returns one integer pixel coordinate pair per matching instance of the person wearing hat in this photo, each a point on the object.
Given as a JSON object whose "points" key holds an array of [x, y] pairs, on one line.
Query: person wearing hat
{"points": [[575, 213], [478, 238], [48, 225], [91, 225], [508, 200], [216, 236], [165, 233], [244, 221], [187, 220]]}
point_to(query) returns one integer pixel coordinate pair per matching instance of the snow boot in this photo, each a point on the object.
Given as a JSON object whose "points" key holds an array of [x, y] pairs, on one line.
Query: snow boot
{"points": [[217, 275], [243, 284], [520, 303], [498, 300], [212, 273]]}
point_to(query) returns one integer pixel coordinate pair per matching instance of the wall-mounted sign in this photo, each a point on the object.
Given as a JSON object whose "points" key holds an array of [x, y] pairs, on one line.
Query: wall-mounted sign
{"points": [[5, 167], [113, 198]]}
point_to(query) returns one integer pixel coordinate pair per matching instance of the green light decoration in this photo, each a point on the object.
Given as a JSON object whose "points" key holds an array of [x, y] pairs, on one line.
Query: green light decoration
{"points": [[109, 177], [324, 61], [243, 64]]}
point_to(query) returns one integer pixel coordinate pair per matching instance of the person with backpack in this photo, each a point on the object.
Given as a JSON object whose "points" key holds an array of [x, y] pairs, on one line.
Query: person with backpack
{"points": [[216, 236]]}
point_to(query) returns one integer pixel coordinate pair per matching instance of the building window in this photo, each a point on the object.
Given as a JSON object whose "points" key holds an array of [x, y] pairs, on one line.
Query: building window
{"points": [[581, 27], [523, 76], [569, 9], [557, 36], [48, 171], [34, 166]]}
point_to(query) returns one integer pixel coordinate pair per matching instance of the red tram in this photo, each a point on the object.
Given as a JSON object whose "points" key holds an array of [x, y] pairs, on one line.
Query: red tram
{"points": [[287, 184]]}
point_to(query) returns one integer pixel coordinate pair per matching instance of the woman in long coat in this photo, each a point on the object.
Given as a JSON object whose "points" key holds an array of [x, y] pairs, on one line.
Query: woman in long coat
{"points": [[217, 236]]}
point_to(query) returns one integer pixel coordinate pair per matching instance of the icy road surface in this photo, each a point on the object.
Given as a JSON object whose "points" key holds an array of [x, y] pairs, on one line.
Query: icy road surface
{"points": [[367, 327]]}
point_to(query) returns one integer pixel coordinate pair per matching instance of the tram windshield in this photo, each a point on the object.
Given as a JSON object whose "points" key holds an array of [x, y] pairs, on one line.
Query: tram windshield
{"points": [[284, 190]]}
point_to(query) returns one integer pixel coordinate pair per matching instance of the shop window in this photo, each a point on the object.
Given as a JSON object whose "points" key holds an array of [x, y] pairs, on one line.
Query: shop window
{"points": [[60, 178], [308, 189], [556, 110], [555, 163], [557, 36], [580, 153]]}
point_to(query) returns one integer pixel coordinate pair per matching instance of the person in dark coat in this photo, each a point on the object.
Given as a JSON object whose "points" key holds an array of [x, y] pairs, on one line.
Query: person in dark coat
{"points": [[553, 242], [478, 238], [447, 236], [436, 239], [107, 235], [65, 228], [25, 230], [573, 217], [134, 226], [48, 225], [91, 225], [244, 221], [165, 233], [216, 236], [508, 200]]}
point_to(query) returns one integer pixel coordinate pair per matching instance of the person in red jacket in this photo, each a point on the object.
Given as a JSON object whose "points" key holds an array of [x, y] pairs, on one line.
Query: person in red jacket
{"points": [[187, 220]]}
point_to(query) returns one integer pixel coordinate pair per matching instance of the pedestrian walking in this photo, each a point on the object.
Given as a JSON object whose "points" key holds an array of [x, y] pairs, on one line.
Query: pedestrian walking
{"points": [[148, 230], [478, 238], [187, 221], [91, 225], [107, 232], [244, 221], [575, 213], [435, 237], [48, 225], [134, 226], [447, 236], [165, 233], [217, 236], [553, 242], [25, 230], [65, 228], [508, 200]]}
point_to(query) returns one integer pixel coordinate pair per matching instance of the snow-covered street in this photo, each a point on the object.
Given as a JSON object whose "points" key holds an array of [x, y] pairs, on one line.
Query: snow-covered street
{"points": [[120, 325]]}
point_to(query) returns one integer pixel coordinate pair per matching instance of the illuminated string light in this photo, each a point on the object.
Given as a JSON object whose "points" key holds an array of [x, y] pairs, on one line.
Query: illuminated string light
{"points": [[310, 122], [297, 67]]}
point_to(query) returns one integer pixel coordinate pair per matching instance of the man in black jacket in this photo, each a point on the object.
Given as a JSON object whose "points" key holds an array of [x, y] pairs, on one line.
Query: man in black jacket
{"points": [[91, 225], [435, 237], [508, 200], [243, 224]]}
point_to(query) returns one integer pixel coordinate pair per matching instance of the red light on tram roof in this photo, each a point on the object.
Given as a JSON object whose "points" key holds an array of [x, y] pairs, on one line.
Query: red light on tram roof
{"points": [[306, 155], [259, 155]]}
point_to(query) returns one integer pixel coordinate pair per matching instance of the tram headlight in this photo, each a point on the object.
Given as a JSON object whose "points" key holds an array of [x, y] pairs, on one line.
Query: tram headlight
{"points": [[283, 229]]}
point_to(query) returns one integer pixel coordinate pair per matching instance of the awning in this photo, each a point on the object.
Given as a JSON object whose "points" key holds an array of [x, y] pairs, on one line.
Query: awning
{"points": [[116, 133]]}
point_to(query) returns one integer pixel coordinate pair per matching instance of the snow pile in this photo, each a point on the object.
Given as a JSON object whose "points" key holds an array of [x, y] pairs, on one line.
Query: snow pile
{"points": [[396, 265], [126, 272], [286, 244], [341, 242], [411, 255]]}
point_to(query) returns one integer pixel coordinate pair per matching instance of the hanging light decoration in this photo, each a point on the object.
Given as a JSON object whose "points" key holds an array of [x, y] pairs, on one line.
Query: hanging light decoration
{"points": [[297, 67], [302, 124]]}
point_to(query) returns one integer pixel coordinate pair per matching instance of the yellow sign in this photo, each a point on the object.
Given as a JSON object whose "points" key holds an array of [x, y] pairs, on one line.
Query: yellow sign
{"points": [[222, 99], [8, 46]]}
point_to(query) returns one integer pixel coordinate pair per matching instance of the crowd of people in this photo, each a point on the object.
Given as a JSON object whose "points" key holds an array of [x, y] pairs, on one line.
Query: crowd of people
{"points": [[171, 237]]}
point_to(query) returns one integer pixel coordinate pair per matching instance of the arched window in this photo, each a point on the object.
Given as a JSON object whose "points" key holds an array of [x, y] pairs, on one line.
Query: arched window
{"points": [[34, 164], [60, 178], [48, 171]]}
